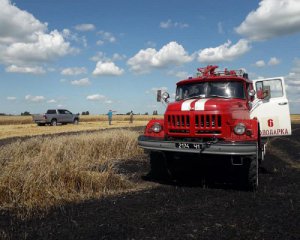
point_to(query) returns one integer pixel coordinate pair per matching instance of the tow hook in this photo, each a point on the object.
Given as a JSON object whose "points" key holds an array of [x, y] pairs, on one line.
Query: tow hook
{"points": [[208, 144]]}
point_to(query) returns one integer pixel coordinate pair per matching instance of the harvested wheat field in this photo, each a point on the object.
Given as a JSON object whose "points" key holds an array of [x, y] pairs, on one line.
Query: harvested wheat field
{"points": [[21, 126], [91, 186]]}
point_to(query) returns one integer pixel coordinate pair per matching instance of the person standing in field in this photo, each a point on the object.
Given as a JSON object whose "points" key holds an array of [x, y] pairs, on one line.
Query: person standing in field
{"points": [[131, 117], [109, 115]]}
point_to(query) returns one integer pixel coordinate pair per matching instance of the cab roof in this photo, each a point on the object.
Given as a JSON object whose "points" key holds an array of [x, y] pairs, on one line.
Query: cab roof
{"points": [[209, 74]]}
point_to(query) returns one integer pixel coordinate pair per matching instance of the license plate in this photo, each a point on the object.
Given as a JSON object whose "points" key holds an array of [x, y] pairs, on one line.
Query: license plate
{"points": [[188, 145]]}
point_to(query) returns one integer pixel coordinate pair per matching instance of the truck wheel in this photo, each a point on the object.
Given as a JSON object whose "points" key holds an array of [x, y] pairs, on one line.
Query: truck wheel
{"points": [[76, 121], [53, 122], [158, 166], [252, 174]]}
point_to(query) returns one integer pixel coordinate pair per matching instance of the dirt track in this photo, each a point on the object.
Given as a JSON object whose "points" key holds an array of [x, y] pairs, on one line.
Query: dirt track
{"points": [[170, 211]]}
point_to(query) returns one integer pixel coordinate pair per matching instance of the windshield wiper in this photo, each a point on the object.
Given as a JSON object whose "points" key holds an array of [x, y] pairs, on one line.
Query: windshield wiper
{"points": [[197, 96], [218, 96]]}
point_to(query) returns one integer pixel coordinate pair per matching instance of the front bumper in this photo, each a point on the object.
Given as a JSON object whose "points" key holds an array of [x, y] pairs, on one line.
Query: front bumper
{"points": [[218, 148]]}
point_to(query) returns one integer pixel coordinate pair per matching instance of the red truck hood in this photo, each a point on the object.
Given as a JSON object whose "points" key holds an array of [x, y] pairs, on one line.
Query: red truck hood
{"points": [[206, 104]]}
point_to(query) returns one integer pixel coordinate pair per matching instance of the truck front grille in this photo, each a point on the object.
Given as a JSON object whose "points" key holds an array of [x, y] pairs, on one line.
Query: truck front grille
{"points": [[197, 124]]}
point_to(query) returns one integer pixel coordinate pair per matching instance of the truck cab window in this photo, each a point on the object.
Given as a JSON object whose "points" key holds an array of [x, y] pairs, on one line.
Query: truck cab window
{"points": [[233, 89], [274, 86]]}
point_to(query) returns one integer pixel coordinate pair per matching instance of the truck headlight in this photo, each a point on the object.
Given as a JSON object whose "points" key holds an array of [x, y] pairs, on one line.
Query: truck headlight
{"points": [[239, 129], [156, 127]]}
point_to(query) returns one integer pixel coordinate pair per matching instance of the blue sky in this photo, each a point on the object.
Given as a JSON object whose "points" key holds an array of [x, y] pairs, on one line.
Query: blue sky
{"points": [[96, 55]]}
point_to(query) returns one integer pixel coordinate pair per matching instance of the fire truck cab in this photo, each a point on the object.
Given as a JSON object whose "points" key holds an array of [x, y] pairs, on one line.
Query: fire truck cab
{"points": [[218, 113]]}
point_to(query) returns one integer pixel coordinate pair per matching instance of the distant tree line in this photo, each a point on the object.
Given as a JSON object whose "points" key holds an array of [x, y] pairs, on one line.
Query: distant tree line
{"points": [[85, 113], [26, 113]]}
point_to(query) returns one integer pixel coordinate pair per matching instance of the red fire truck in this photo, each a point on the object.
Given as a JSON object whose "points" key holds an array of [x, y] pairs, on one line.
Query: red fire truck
{"points": [[221, 117]]}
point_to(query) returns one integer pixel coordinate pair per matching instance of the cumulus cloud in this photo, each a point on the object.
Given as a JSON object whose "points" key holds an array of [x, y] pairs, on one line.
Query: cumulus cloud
{"points": [[96, 97], [171, 24], [107, 69], [30, 70], [30, 98], [179, 74], [25, 41], [224, 52], [85, 27], [292, 82], [260, 63], [105, 37], [271, 19], [52, 101], [81, 82], [11, 98], [74, 71], [101, 56], [273, 61], [220, 28], [170, 54]]}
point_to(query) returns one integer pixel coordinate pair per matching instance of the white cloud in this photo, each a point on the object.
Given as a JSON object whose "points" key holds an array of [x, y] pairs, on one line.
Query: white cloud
{"points": [[96, 97], [107, 69], [170, 24], [101, 56], [106, 37], [30, 70], [220, 28], [48, 47], [179, 74], [100, 42], [273, 61], [17, 25], [151, 44], [260, 63], [81, 82], [85, 27], [170, 54], [11, 98], [224, 52], [67, 34], [24, 40], [52, 101], [108, 101], [292, 82], [30, 98], [74, 71], [271, 19]]}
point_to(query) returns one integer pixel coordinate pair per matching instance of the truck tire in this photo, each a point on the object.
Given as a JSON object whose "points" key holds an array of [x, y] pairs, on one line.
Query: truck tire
{"points": [[158, 169], [249, 174], [54, 122]]}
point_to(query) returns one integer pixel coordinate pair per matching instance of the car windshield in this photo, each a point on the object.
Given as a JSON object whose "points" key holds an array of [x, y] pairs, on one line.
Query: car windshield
{"points": [[232, 89]]}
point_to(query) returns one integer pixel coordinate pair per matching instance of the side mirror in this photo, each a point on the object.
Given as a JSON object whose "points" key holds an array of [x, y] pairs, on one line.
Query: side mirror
{"points": [[165, 96], [158, 99], [251, 93], [162, 96]]}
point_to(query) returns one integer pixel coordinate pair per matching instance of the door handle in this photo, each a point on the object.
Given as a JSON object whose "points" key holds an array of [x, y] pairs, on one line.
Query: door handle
{"points": [[282, 103]]}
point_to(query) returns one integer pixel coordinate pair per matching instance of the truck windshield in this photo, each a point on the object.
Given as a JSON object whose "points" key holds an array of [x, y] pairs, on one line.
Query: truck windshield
{"points": [[211, 90]]}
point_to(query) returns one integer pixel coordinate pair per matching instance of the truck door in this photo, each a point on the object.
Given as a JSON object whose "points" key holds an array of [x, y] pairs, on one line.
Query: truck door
{"points": [[61, 116], [271, 107]]}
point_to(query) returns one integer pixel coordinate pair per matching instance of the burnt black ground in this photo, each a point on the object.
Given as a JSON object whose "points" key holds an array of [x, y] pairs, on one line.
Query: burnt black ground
{"points": [[190, 211]]}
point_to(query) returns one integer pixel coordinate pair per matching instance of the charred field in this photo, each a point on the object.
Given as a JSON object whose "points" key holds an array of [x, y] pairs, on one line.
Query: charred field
{"points": [[180, 211]]}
